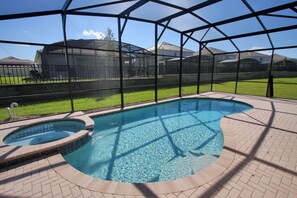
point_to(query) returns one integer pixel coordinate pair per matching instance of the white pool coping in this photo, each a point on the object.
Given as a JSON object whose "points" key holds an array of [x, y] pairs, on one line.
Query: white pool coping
{"points": [[112, 187]]}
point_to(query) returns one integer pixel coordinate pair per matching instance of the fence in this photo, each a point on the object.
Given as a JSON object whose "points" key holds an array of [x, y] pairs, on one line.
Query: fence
{"points": [[15, 74], [31, 74]]}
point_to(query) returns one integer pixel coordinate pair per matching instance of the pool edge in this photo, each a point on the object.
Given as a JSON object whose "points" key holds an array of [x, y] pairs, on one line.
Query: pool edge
{"points": [[216, 169]]}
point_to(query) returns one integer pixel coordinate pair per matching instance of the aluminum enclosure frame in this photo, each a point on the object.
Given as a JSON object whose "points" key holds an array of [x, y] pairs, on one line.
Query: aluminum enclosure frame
{"points": [[165, 24]]}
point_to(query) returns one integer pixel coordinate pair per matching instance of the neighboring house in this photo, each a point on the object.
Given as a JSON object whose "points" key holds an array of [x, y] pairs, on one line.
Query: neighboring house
{"points": [[278, 58], [224, 62], [254, 61], [168, 51], [190, 64], [207, 59], [168, 57], [228, 62], [246, 65], [15, 61], [262, 58], [249, 62], [12, 66], [94, 58], [208, 52]]}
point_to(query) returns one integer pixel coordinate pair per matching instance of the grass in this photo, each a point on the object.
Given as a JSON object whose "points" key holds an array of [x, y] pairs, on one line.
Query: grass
{"points": [[19, 80], [283, 88], [24, 80], [12, 80], [29, 80]]}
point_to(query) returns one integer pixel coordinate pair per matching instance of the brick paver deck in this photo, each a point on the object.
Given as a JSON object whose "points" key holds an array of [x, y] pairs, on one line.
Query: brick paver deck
{"points": [[265, 163]]}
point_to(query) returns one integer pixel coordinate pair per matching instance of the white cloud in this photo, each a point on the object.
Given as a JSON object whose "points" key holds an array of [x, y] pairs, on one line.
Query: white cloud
{"points": [[92, 33], [23, 45], [262, 52], [255, 48]]}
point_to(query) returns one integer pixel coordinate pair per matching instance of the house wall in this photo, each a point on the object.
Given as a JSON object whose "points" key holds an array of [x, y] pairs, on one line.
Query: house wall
{"points": [[225, 57], [94, 64], [163, 53]]}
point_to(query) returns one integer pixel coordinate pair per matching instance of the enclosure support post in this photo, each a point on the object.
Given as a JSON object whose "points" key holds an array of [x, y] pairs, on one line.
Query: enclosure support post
{"points": [[180, 65], [212, 71], [120, 61], [269, 86], [156, 63], [67, 60], [199, 68], [271, 62], [237, 73]]}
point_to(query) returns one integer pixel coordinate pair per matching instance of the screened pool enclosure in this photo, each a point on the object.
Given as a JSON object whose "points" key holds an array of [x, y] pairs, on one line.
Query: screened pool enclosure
{"points": [[69, 55]]}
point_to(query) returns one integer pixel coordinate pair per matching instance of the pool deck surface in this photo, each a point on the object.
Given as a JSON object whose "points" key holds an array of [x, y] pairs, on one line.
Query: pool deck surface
{"points": [[259, 160]]}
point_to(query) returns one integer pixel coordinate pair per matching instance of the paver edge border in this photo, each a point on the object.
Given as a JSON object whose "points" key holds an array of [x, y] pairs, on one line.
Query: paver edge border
{"points": [[112, 187]]}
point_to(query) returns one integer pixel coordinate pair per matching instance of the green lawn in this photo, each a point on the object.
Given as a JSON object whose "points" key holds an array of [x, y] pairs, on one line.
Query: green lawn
{"points": [[11, 80], [283, 87], [24, 80], [251, 87], [28, 80]]}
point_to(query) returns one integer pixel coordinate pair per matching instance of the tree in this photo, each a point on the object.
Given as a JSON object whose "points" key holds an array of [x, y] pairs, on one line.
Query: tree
{"points": [[109, 37]]}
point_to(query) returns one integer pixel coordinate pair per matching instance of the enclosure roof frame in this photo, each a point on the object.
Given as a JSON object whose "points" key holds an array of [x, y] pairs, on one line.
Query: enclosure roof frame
{"points": [[182, 9]]}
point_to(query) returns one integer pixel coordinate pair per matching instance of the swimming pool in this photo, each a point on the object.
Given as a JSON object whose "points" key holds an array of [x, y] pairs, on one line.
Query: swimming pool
{"points": [[155, 143], [44, 132]]}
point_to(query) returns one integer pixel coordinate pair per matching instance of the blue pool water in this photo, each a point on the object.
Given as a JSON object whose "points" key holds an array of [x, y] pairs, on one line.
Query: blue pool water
{"points": [[44, 132], [156, 143]]}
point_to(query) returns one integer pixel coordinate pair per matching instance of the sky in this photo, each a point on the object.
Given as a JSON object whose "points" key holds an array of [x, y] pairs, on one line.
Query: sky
{"points": [[48, 29]]}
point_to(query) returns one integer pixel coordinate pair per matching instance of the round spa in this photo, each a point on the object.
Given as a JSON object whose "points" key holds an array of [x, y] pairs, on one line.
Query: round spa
{"points": [[43, 132]]}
